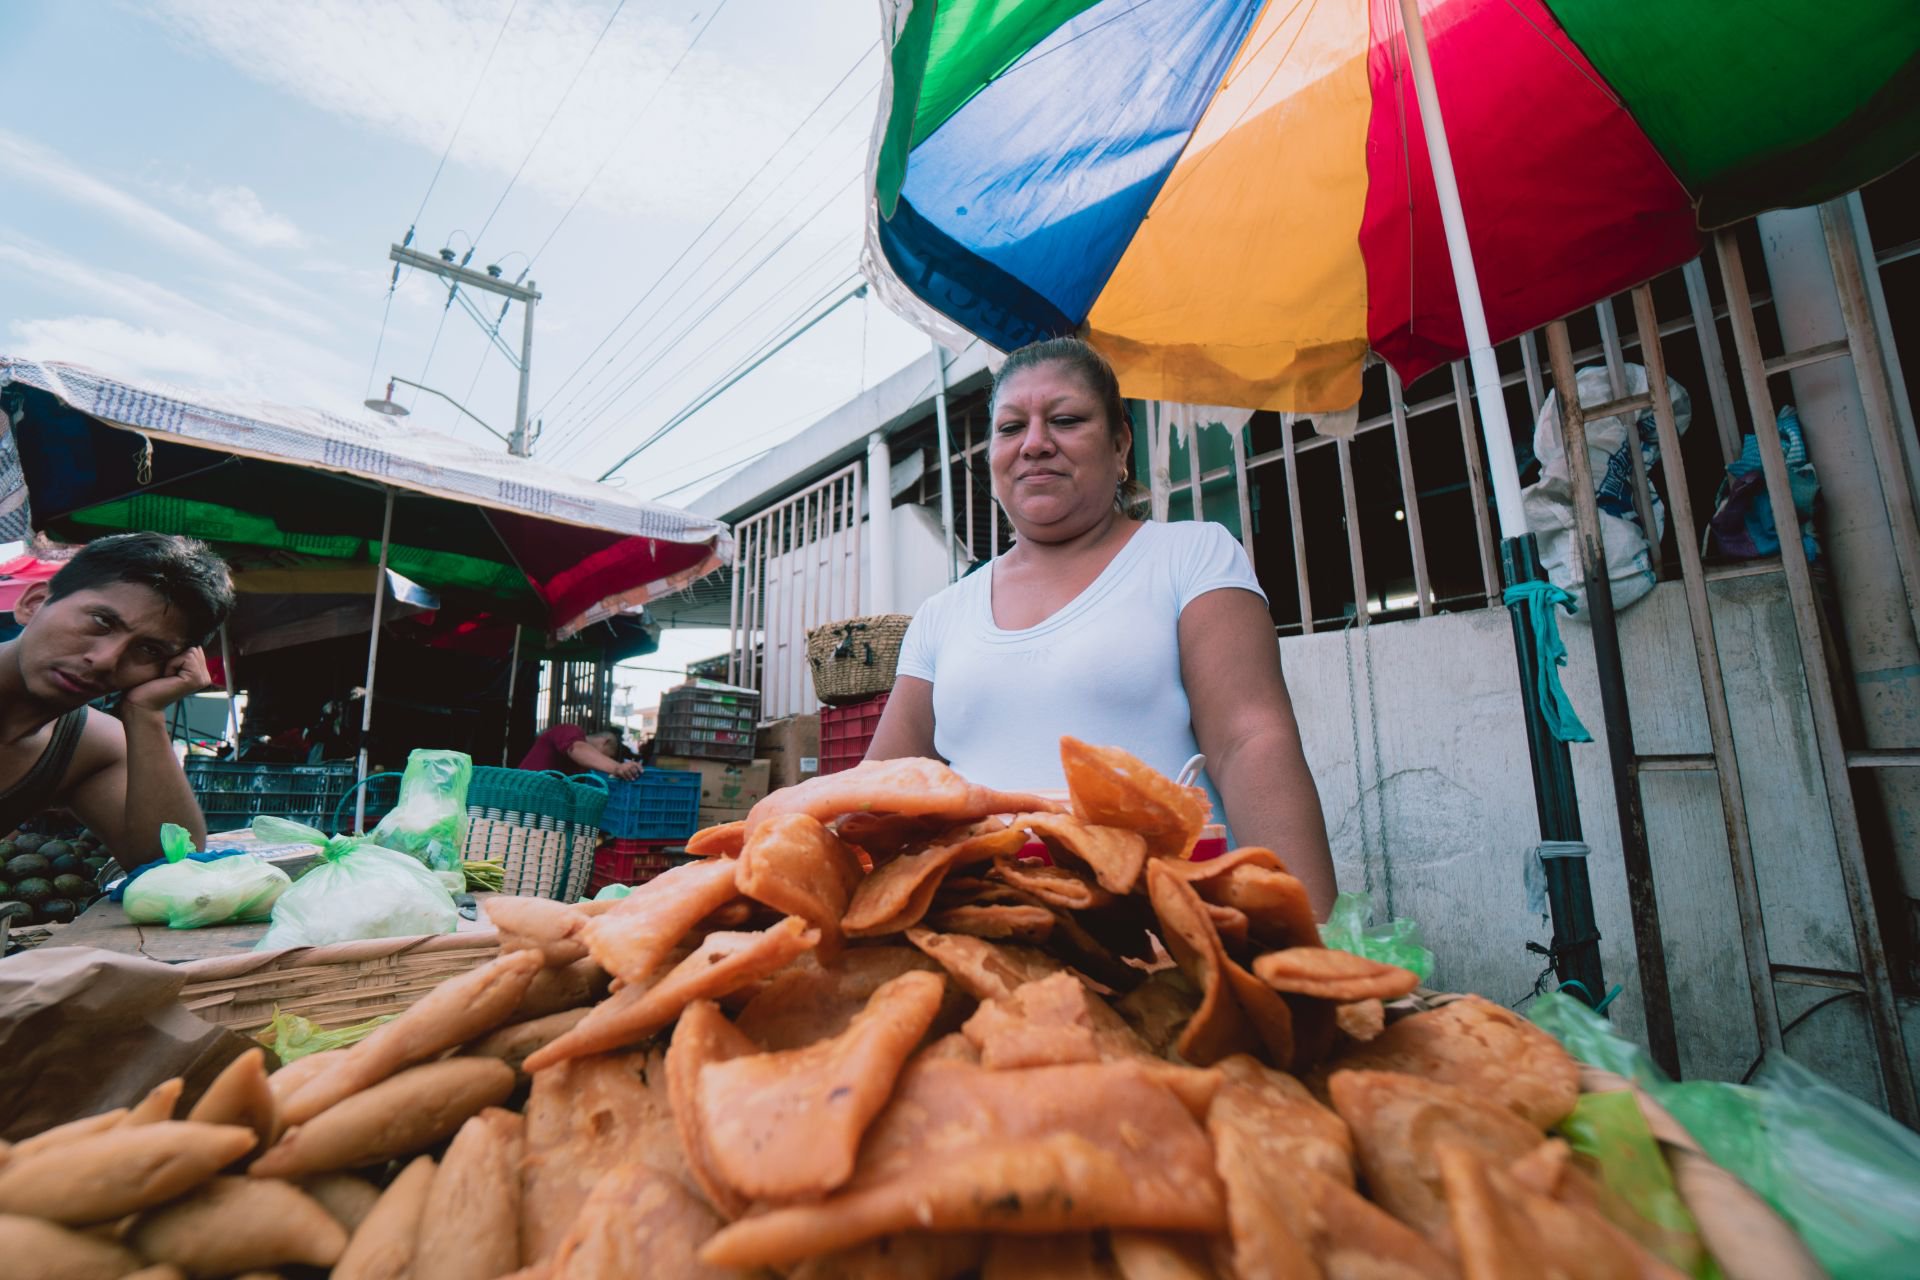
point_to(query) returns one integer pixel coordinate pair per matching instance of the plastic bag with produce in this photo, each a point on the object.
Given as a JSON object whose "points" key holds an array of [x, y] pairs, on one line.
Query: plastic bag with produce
{"points": [[358, 890], [189, 892], [430, 821]]}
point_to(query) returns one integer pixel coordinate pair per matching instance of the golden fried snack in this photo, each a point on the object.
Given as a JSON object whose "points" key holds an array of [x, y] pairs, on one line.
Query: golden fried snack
{"points": [[962, 1148], [291, 1077], [157, 1105], [638, 1223], [472, 1229], [397, 1117], [1361, 1020], [584, 1117], [1286, 1124], [1265, 1213], [1399, 1120], [1230, 926], [723, 963], [1056, 886], [703, 1038], [1114, 854], [1278, 911], [1352, 1238], [348, 1199], [908, 787], [382, 1246], [1504, 1230], [782, 1126], [240, 1095], [1489, 1051], [1238, 1013], [631, 940], [1059, 1257], [543, 925], [725, 840], [885, 836], [1159, 1007], [105, 1175], [1332, 974], [896, 896], [1000, 922], [67, 1132], [808, 1001], [167, 1271], [38, 1250], [229, 1225], [1142, 1255], [1111, 788], [984, 970], [912, 1256], [799, 868], [454, 1012], [511, 1044], [556, 989], [1045, 1023]]}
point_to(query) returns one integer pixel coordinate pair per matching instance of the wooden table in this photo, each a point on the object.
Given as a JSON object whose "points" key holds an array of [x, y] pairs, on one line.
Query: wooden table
{"points": [[105, 926]]}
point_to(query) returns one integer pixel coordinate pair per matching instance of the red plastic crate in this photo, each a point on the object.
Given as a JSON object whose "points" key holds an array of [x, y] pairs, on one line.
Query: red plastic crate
{"points": [[630, 862], [846, 732]]}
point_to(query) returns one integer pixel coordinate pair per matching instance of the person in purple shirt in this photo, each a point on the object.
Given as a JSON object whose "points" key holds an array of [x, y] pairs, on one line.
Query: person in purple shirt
{"points": [[573, 748]]}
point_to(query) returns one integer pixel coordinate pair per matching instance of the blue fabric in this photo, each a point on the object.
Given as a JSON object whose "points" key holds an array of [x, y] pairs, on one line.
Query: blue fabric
{"points": [[1539, 599], [1043, 176], [119, 889]]}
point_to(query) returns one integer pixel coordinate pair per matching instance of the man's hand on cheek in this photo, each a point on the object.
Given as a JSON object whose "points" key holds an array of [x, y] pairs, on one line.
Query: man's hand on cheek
{"points": [[186, 674]]}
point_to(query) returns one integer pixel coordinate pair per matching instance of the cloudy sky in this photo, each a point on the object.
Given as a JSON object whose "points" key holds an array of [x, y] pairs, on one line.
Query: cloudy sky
{"points": [[204, 191]]}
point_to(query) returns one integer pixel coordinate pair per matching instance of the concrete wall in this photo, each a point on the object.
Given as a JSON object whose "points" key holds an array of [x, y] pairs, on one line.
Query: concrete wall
{"points": [[1414, 734]]}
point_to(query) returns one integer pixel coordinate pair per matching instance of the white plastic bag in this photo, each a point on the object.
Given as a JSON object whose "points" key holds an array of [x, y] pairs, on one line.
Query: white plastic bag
{"points": [[190, 894], [1548, 503], [358, 890]]}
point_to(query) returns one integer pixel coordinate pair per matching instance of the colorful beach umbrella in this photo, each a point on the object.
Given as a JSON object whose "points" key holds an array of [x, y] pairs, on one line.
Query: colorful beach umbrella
{"points": [[1234, 201]]}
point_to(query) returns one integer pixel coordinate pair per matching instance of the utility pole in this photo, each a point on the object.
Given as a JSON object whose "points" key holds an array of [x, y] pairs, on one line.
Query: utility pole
{"points": [[455, 276]]}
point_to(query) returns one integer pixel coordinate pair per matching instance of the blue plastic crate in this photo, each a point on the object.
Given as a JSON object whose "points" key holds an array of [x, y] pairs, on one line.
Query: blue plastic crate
{"points": [[661, 804]]}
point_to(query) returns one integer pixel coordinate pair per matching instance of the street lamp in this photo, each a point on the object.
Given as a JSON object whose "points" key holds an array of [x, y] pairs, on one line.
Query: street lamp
{"points": [[394, 409]]}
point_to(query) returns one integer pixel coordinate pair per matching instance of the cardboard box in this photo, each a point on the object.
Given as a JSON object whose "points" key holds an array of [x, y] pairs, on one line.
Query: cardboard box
{"points": [[719, 816], [723, 785], [792, 749]]}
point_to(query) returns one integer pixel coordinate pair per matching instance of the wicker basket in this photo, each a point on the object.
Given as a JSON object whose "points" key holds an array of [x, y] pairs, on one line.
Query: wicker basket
{"points": [[542, 828], [334, 985], [855, 659]]}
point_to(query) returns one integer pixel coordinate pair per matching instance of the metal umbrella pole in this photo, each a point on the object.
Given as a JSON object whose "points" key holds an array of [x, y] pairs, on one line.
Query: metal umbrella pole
{"points": [[1575, 950], [513, 679], [373, 665]]}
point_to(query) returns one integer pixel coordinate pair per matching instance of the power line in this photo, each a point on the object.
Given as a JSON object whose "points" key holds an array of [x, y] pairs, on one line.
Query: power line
{"points": [[631, 126], [542, 135], [614, 396], [711, 223], [686, 280]]}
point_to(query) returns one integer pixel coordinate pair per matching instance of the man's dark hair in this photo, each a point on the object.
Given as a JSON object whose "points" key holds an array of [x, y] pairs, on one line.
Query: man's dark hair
{"points": [[182, 571]]}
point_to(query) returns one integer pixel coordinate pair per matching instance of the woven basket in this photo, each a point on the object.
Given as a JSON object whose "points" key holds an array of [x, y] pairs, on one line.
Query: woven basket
{"points": [[541, 827], [855, 658], [334, 985]]}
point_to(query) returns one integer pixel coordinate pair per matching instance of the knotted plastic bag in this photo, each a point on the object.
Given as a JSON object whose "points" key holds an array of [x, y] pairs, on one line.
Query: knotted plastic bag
{"points": [[358, 890], [1397, 942], [187, 893], [430, 821], [292, 1037]]}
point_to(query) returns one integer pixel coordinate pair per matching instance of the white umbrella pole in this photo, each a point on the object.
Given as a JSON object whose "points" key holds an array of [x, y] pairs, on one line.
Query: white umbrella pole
{"points": [[233, 692], [373, 664], [1466, 284], [513, 676]]}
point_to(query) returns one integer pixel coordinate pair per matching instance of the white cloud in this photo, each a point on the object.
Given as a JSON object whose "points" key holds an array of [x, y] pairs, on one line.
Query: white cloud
{"points": [[238, 212], [113, 345], [407, 71]]}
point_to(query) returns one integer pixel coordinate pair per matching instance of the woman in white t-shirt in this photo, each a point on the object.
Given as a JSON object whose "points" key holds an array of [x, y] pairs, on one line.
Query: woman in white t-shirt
{"points": [[1152, 637]]}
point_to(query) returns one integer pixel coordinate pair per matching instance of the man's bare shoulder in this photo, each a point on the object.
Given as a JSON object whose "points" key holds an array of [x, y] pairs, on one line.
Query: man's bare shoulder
{"points": [[102, 745]]}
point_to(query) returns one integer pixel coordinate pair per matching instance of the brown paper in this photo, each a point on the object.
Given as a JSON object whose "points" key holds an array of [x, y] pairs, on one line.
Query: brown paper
{"points": [[83, 1031]]}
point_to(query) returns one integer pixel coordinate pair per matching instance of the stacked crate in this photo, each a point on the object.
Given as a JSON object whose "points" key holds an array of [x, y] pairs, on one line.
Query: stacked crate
{"points": [[709, 730]]}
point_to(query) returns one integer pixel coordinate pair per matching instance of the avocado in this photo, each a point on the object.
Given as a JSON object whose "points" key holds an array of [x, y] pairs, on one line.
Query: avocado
{"points": [[33, 891], [6, 891], [58, 911], [53, 849], [95, 865], [7, 850], [23, 865], [28, 843], [67, 864], [19, 912], [79, 888]]}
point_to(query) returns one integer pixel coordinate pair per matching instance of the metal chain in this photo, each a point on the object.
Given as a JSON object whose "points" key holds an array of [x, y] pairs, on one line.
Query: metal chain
{"points": [[1359, 780], [1379, 783]]}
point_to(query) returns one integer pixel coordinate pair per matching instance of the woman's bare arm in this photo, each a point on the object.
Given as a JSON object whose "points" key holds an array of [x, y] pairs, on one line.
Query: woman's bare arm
{"points": [[906, 726], [1243, 719]]}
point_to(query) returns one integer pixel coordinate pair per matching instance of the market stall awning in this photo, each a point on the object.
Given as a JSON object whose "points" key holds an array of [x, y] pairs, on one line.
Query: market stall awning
{"points": [[89, 455]]}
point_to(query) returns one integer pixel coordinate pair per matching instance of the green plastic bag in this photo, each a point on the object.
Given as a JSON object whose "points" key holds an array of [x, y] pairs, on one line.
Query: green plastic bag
{"points": [[613, 891], [188, 894], [1844, 1176], [292, 1037], [430, 821], [1609, 1129], [1397, 942], [359, 890]]}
